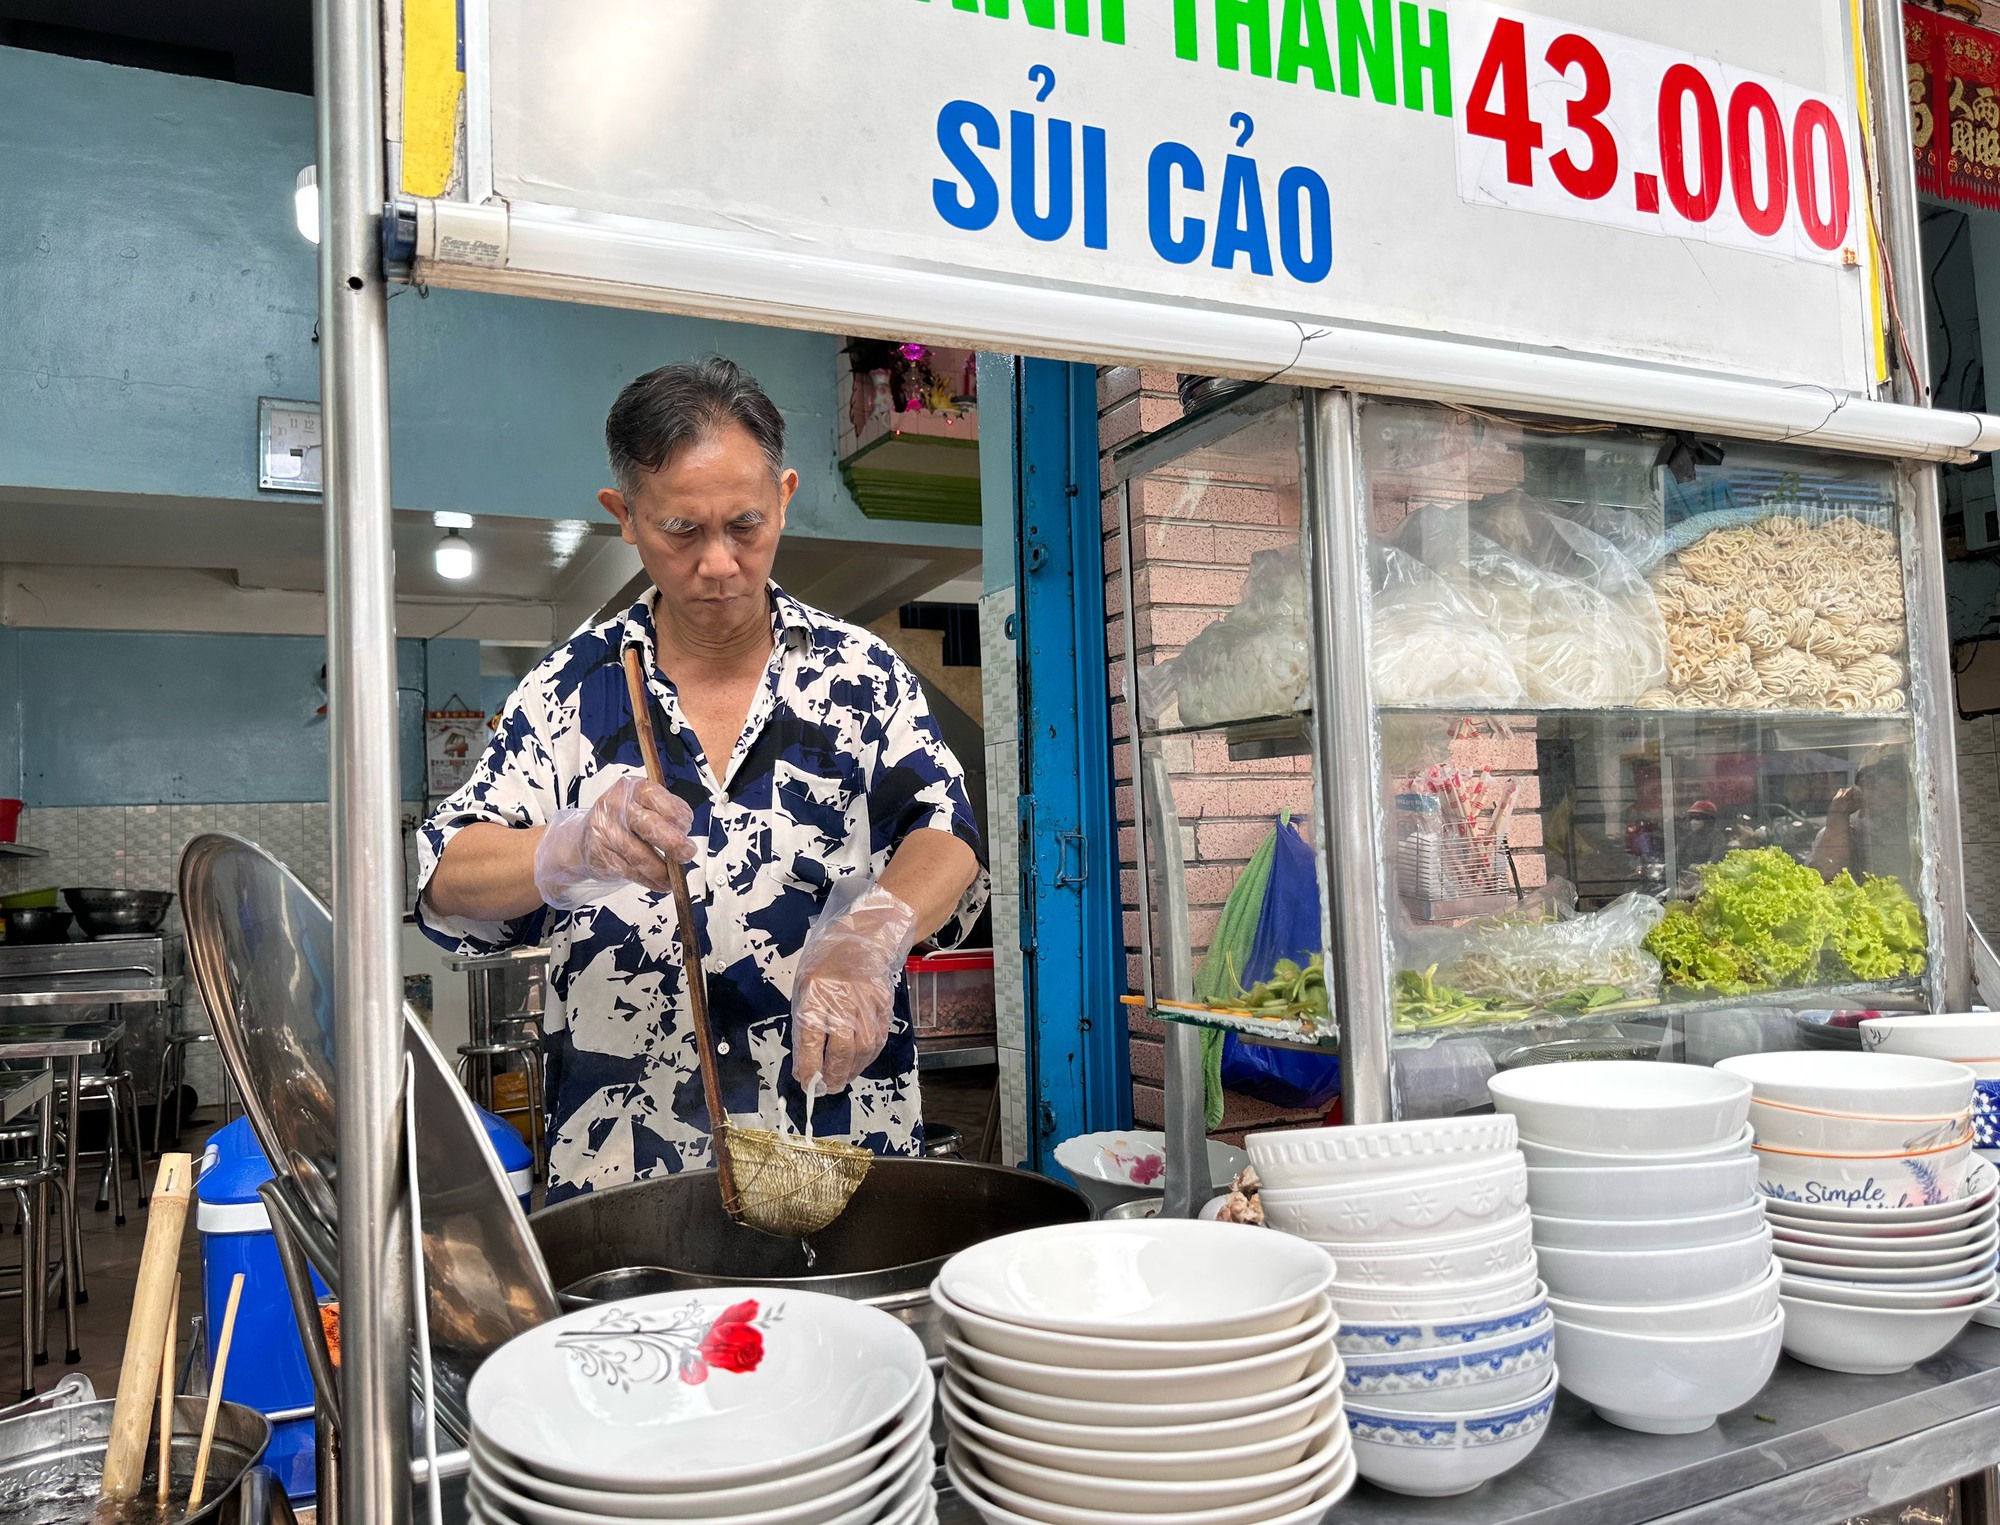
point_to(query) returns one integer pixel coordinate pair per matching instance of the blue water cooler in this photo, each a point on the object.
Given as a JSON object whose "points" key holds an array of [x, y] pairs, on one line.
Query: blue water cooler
{"points": [[267, 1363]]}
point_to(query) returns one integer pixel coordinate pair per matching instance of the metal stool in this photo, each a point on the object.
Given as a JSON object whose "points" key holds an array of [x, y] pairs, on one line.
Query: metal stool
{"points": [[30, 1165], [112, 1088], [476, 1068], [504, 1002], [173, 1076]]}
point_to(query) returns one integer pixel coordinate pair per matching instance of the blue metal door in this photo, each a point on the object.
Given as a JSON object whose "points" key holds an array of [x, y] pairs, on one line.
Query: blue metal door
{"points": [[1079, 1073]]}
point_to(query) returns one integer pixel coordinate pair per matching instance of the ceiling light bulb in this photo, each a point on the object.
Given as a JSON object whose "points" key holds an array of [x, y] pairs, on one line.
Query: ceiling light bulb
{"points": [[454, 557], [305, 203]]}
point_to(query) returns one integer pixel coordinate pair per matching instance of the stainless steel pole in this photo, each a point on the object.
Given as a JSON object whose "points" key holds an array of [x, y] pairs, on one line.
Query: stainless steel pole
{"points": [[1923, 558], [1347, 779], [361, 689]]}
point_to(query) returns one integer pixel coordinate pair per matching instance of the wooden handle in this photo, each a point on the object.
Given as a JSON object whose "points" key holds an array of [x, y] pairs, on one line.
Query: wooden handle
{"points": [[692, 970], [146, 1332], [167, 1398], [214, 1394]]}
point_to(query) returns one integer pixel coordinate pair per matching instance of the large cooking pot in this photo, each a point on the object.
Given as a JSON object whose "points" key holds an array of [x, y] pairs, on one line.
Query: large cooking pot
{"points": [[51, 1463], [908, 1218]]}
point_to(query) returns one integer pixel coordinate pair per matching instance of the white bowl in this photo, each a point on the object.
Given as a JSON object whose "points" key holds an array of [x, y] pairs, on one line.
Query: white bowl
{"points": [[998, 1504], [1114, 1167], [868, 1498], [1156, 1279], [1656, 1276], [1871, 1182], [1644, 1191], [1451, 1199], [1402, 1336], [1667, 1384], [1869, 1341], [1904, 1240], [1840, 1133], [1284, 1419], [1436, 1456], [1957, 1036], [1324, 1366], [1095, 1353], [1327, 1156], [1473, 1376], [1504, 1246], [1976, 1195], [1121, 1495], [1170, 1384], [1876, 1085], [1251, 1458], [1889, 1254], [1624, 1106], [696, 1390], [1644, 1234], [1924, 1274], [814, 1486], [1958, 1292], [1741, 1309], [1555, 1157], [1427, 1305]]}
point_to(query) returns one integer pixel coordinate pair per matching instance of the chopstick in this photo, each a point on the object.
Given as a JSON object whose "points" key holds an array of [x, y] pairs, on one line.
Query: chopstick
{"points": [[167, 1396], [215, 1394]]}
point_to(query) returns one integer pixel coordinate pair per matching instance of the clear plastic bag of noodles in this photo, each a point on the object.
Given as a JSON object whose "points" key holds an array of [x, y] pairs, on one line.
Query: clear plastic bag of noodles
{"points": [[1431, 646], [1252, 662]]}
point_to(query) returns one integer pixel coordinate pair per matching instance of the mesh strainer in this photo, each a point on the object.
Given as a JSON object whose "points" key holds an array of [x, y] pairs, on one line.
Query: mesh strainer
{"points": [[778, 1183]]}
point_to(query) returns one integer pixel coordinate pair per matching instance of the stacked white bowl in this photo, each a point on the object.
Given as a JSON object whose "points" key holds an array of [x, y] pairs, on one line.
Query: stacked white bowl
{"points": [[1130, 1165], [1650, 1236], [742, 1406], [1143, 1372], [1884, 1217], [1445, 1327]]}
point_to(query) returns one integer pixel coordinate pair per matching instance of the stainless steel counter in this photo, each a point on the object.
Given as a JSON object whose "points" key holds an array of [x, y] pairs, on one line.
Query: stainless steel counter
{"points": [[1815, 1448]]}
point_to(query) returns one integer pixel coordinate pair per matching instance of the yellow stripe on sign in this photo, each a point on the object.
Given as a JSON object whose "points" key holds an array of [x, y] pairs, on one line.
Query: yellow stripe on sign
{"points": [[1878, 310], [432, 86]]}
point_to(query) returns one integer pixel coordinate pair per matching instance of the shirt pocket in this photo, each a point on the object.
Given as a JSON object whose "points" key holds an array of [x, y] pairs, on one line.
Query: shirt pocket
{"points": [[820, 828]]}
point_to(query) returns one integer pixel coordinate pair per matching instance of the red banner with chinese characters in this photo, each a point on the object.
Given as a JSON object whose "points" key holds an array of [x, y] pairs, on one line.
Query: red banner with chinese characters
{"points": [[1954, 73]]}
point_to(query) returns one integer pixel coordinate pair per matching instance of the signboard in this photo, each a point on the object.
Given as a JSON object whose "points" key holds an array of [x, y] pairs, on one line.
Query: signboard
{"points": [[1954, 73], [1677, 183], [453, 741]]}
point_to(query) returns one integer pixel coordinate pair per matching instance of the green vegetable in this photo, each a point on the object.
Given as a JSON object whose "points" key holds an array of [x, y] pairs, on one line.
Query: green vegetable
{"points": [[1290, 992], [1422, 1003], [1764, 919]]}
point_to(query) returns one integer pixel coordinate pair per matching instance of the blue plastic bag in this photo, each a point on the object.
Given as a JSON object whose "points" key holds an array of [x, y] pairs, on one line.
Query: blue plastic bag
{"points": [[1287, 927]]}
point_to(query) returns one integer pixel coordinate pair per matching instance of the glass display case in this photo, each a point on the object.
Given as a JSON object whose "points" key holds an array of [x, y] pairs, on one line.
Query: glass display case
{"points": [[1602, 740]]}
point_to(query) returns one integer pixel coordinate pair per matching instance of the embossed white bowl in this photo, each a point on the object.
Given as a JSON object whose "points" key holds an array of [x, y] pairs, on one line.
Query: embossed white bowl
{"points": [[1623, 1105], [1327, 1156], [1554, 1157], [1645, 1234], [694, 1390], [1377, 1209], [1644, 1191], [1151, 1278], [1489, 1251], [1097, 1353], [1323, 1367], [1667, 1384], [1473, 1376], [1428, 1305], [1439, 1455]]}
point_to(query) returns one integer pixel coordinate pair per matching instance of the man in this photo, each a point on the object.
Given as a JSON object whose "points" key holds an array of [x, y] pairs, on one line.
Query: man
{"points": [[1868, 825], [825, 824]]}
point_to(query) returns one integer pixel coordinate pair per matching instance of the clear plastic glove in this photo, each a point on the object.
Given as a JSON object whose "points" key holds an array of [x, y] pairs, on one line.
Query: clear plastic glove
{"points": [[625, 838], [845, 989]]}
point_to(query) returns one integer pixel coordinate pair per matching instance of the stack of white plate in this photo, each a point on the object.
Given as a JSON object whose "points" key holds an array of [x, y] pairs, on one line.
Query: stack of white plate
{"points": [[1143, 1372], [743, 1406], [1444, 1324], [1650, 1235]]}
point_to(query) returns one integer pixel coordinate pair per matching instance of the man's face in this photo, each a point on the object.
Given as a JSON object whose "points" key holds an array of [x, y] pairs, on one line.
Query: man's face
{"points": [[706, 525]]}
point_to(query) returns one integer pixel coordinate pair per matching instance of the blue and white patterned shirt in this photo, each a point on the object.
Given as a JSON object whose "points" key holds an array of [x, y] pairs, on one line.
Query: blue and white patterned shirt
{"points": [[839, 760]]}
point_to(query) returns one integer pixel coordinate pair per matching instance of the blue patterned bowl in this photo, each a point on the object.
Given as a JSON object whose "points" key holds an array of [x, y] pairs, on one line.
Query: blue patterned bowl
{"points": [[1438, 1455]]}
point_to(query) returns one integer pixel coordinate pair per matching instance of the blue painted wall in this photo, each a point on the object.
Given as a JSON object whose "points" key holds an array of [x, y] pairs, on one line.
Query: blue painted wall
{"points": [[10, 713], [152, 286], [124, 718]]}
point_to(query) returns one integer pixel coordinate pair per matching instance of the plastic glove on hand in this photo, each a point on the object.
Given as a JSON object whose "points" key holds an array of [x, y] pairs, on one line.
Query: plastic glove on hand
{"points": [[844, 991], [625, 838]]}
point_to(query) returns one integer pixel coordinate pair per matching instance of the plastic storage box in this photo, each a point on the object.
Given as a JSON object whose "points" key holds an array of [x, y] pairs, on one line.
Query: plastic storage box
{"points": [[951, 994]]}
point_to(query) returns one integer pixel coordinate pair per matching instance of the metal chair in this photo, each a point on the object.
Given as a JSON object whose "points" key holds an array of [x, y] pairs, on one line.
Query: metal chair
{"points": [[112, 1088], [30, 1166]]}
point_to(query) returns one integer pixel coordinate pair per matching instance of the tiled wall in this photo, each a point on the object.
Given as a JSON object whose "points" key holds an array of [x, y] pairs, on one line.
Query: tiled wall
{"points": [[998, 674]]}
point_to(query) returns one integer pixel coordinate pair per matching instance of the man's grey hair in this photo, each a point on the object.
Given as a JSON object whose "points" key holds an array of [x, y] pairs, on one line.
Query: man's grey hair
{"points": [[676, 406]]}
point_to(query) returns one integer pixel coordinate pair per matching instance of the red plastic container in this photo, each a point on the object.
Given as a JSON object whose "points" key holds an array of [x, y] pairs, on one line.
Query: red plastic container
{"points": [[10, 819], [951, 994]]}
